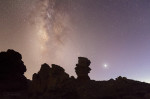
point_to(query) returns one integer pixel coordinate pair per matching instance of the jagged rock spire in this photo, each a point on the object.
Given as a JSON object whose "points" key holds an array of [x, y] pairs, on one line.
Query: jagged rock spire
{"points": [[82, 68]]}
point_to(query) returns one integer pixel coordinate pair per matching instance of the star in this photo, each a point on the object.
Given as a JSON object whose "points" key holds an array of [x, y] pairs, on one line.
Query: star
{"points": [[105, 66]]}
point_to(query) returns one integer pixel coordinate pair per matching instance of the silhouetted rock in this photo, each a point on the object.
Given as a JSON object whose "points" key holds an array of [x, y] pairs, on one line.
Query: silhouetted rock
{"points": [[12, 80], [47, 80], [82, 68], [54, 83]]}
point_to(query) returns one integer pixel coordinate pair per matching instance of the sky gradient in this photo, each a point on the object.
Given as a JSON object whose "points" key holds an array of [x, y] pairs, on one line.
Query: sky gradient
{"points": [[112, 32]]}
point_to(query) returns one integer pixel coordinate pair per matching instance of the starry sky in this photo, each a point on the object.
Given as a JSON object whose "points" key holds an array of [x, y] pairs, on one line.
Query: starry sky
{"points": [[113, 34]]}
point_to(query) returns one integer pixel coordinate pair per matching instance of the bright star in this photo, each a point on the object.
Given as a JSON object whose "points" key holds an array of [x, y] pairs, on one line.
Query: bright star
{"points": [[105, 65]]}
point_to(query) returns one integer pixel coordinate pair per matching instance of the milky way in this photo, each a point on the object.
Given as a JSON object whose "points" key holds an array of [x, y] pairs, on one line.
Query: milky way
{"points": [[51, 19]]}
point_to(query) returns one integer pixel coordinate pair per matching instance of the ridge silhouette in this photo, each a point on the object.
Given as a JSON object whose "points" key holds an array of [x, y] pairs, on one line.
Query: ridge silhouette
{"points": [[52, 82]]}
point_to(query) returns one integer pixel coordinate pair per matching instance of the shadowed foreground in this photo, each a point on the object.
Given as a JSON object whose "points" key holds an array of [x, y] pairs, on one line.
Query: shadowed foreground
{"points": [[52, 82]]}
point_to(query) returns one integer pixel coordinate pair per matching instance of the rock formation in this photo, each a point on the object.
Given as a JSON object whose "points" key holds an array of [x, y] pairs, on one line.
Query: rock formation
{"points": [[54, 83], [12, 79], [82, 68], [47, 80]]}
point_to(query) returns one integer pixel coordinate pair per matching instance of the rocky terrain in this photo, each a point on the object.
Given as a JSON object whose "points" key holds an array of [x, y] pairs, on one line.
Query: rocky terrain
{"points": [[52, 82]]}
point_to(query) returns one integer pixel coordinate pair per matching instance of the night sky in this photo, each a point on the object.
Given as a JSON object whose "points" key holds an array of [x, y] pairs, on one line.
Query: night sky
{"points": [[113, 34]]}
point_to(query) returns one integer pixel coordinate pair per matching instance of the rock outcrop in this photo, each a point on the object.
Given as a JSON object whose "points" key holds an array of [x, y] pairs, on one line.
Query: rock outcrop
{"points": [[82, 68], [54, 83], [12, 80], [47, 81]]}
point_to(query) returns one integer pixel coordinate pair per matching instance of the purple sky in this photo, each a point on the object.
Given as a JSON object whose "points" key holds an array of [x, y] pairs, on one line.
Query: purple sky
{"points": [[112, 32]]}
